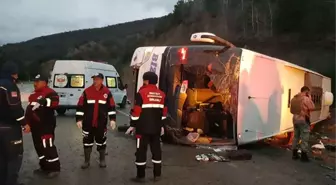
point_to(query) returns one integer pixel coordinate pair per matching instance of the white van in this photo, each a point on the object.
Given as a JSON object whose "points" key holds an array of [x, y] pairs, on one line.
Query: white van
{"points": [[69, 78]]}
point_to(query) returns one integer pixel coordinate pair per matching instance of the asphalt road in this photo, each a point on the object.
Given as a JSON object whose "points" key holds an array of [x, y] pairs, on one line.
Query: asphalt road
{"points": [[269, 165]]}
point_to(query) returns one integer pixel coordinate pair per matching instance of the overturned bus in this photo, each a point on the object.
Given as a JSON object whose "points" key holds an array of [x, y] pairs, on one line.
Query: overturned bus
{"points": [[228, 94]]}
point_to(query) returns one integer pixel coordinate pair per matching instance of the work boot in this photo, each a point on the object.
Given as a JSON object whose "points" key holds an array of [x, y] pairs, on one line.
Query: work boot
{"points": [[138, 180], [51, 175], [304, 157], [102, 162], [295, 155], [87, 153]]}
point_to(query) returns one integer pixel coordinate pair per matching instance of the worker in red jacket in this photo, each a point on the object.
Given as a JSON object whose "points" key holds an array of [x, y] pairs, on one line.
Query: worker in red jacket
{"points": [[42, 121], [94, 107], [147, 117]]}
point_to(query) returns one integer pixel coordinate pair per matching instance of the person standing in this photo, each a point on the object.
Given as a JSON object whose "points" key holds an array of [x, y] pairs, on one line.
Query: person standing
{"points": [[94, 107], [40, 115], [301, 106], [11, 121], [147, 117]]}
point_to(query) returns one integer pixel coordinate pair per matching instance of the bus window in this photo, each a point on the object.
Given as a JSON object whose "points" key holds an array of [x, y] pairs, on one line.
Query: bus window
{"points": [[77, 81], [111, 82]]}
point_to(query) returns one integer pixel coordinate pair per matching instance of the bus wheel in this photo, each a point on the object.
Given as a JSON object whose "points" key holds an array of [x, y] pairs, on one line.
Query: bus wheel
{"points": [[123, 103], [61, 111]]}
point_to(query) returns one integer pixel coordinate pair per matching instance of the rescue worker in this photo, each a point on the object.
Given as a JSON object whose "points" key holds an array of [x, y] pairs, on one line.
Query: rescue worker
{"points": [[40, 115], [11, 120], [93, 108], [301, 121], [147, 117]]}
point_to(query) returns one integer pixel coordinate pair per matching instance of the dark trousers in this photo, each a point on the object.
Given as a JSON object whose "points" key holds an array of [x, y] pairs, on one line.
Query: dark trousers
{"points": [[92, 134], [46, 150], [141, 154], [11, 151]]}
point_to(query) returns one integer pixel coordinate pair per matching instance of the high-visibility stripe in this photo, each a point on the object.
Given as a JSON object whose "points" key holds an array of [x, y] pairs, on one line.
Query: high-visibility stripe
{"points": [[79, 113], [138, 142], [156, 162], [33, 103], [19, 119], [88, 144], [3, 88], [140, 164], [134, 118], [44, 143], [163, 117], [48, 102], [85, 132], [102, 102], [152, 106], [112, 112], [50, 142], [53, 160], [99, 144], [42, 157], [91, 101]]}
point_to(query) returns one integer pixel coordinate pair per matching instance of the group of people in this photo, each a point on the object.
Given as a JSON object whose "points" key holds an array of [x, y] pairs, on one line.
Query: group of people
{"points": [[95, 107]]}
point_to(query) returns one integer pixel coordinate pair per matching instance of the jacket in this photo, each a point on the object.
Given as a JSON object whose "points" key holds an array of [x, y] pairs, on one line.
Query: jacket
{"points": [[11, 110], [44, 116], [94, 106], [307, 105], [149, 111]]}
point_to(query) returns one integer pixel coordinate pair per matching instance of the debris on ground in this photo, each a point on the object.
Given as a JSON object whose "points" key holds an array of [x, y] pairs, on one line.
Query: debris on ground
{"points": [[211, 157], [193, 136], [225, 157], [239, 155], [327, 167], [224, 148], [319, 146], [331, 177]]}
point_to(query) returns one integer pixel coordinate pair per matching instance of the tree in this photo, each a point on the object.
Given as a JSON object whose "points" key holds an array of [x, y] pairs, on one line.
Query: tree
{"points": [[212, 7]]}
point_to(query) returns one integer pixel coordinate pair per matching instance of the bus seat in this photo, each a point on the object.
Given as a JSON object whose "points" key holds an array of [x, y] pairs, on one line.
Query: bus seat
{"points": [[180, 103], [198, 96]]}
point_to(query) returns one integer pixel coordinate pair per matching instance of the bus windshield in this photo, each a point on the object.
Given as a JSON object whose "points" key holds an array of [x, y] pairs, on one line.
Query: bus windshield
{"points": [[205, 66]]}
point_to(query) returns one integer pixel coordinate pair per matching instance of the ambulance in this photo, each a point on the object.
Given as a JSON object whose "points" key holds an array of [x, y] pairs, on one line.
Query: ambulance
{"points": [[69, 78]]}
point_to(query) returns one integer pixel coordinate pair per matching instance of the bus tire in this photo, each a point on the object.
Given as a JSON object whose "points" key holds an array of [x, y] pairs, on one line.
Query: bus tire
{"points": [[61, 111]]}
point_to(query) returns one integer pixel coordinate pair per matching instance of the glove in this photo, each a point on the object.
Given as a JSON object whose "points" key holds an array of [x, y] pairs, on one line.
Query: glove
{"points": [[42, 101], [79, 124], [113, 124], [162, 131], [130, 130]]}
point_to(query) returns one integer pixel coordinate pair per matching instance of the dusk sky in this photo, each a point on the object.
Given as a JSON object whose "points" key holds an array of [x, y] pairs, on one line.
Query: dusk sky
{"points": [[21, 20]]}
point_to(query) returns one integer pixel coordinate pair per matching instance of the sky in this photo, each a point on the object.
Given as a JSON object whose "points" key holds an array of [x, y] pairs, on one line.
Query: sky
{"points": [[21, 20]]}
